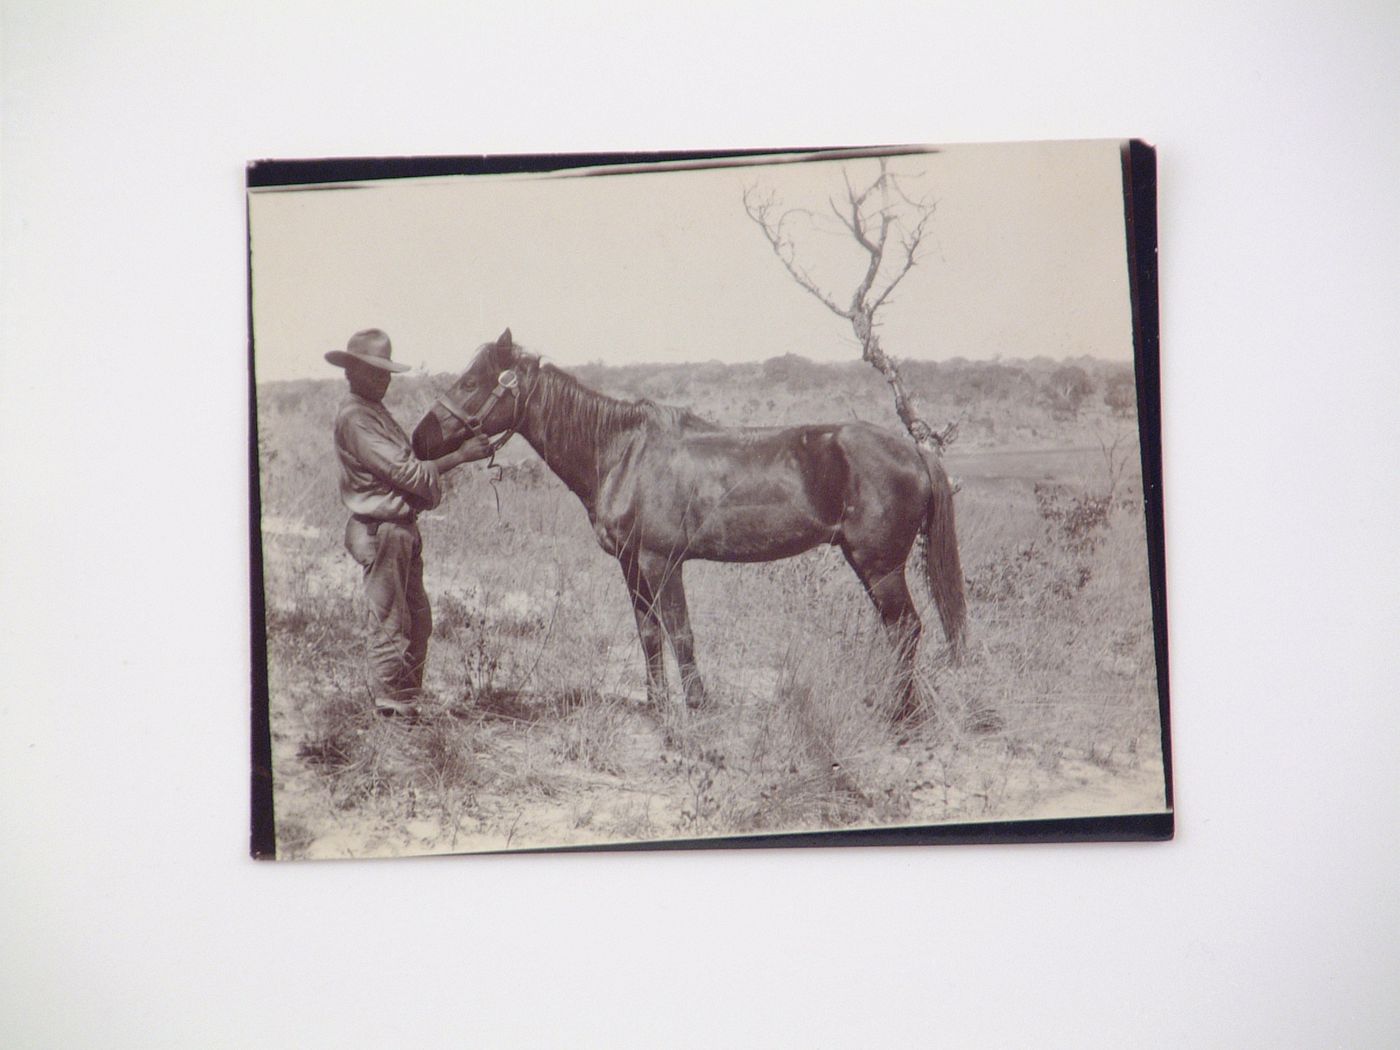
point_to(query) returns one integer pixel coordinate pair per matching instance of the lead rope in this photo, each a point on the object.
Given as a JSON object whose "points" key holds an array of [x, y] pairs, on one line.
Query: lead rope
{"points": [[500, 470]]}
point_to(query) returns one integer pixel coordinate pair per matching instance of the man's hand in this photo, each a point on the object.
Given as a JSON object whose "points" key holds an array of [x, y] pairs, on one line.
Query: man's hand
{"points": [[475, 448]]}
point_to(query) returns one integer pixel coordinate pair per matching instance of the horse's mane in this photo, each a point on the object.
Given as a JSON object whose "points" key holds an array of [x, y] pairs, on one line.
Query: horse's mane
{"points": [[575, 413], [671, 417]]}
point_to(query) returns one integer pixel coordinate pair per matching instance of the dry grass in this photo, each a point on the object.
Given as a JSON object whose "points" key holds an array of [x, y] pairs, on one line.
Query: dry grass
{"points": [[539, 733]]}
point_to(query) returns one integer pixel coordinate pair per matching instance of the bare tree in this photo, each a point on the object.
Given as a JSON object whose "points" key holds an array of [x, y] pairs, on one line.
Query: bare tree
{"points": [[1116, 457], [889, 225]]}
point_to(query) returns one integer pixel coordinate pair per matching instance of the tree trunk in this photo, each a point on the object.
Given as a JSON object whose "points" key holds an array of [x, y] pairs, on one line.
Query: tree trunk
{"points": [[923, 434]]}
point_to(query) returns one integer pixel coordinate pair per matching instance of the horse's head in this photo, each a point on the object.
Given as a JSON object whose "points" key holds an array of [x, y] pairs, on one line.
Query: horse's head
{"points": [[488, 398]]}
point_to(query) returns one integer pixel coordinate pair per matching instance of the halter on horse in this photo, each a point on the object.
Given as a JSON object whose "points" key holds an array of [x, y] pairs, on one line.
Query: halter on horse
{"points": [[506, 382]]}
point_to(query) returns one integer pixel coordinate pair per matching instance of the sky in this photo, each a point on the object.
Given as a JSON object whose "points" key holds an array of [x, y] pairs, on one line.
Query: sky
{"points": [[1024, 256]]}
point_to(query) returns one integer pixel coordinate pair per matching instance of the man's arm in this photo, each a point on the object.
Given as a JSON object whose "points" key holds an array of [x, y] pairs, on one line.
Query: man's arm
{"points": [[388, 457]]}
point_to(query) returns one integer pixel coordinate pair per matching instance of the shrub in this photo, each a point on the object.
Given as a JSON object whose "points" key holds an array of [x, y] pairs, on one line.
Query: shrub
{"points": [[1066, 390], [1120, 394], [1078, 519]]}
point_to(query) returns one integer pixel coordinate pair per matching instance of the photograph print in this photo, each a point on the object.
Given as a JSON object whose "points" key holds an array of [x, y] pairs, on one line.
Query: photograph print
{"points": [[727, 499]]}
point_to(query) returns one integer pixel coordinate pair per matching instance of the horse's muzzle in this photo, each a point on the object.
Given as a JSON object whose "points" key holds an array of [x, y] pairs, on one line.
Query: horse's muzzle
{"points": [[428, 437]]}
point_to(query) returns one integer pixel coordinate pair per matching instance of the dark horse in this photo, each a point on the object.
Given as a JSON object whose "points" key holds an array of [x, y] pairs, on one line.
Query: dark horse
{"points": [[662, 486]]}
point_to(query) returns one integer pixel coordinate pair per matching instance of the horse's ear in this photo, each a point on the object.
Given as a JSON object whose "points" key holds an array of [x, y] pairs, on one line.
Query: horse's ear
{"points": [[504, 352]]}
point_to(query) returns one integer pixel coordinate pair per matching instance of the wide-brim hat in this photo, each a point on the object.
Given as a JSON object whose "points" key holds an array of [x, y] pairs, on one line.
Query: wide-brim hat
{"points": [[370, 347]]}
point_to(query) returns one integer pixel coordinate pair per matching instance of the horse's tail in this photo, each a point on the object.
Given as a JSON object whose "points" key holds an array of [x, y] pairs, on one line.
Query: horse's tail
{"points": [[945, 575]]}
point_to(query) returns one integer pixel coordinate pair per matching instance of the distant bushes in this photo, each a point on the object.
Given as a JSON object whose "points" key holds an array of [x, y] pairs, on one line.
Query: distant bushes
{"points": [[1120, 392], [796, 373], [1066, 389], [998, 402]]}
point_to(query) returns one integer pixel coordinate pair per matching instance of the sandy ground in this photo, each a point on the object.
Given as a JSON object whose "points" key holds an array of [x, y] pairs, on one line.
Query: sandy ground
{"points": [[649, 801]]}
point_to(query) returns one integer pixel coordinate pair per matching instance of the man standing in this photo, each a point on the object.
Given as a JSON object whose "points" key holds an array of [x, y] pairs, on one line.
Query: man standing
{"points": [[384, 486]]}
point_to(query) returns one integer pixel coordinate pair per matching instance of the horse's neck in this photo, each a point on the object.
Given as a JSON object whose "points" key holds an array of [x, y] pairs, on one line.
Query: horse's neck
{"points": [[582, 478], [578, 433]]}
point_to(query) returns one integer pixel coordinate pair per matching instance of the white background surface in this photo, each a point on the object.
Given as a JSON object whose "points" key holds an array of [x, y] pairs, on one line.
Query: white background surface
{"points": [[130, 914]]}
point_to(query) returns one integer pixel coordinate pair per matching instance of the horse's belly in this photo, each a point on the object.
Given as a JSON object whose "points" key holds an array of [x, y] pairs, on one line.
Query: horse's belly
{"points": [[725, 499], [756, 534]]}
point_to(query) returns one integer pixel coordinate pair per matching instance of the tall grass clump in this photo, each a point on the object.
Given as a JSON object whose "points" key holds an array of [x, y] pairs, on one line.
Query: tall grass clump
{"points": [[393, 774], [819, 750]]}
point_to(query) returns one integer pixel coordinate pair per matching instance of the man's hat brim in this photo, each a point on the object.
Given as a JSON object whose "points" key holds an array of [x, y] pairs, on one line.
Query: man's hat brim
{"points": [[342, 358]]}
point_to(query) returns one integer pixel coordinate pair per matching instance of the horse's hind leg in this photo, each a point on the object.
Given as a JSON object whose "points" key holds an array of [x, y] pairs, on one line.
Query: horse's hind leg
{"points": [[890, 594]]}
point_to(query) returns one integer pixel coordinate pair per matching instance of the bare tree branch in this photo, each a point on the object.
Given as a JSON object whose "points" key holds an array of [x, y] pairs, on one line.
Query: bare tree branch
{"points": [[761, 213], [911, 258], [841, 217], [859, 227], [859, 218], [857, 224]]}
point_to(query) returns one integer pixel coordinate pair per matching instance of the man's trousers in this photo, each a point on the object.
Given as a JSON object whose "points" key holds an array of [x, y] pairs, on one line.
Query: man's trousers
{"points": [[399, 618]]}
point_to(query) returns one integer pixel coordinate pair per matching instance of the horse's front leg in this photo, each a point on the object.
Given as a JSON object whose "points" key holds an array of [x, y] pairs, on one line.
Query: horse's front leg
{"points": [[675, 618], [649, 628]]}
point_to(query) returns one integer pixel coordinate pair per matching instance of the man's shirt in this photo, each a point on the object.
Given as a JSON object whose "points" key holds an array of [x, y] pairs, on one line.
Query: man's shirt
{"points": [[380, 477]]}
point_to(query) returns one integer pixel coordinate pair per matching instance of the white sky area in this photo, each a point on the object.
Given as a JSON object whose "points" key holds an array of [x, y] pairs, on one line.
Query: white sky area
{"points": [[1025, 255]]}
